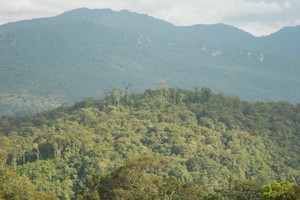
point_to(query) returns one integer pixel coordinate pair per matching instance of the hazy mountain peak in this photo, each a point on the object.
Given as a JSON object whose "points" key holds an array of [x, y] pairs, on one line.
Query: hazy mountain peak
{"points": [[86, 12], [122, 18]]}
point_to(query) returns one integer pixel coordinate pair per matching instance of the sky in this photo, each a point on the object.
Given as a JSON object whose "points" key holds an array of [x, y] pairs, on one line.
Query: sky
{"points": [[259, 17]]}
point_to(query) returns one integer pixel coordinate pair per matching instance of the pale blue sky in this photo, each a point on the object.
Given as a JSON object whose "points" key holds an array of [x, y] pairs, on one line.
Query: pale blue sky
{"points": [[259, 17]]}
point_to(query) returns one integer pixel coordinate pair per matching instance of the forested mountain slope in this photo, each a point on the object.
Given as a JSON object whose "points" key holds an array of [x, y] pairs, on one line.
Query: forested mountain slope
{"points": [[196, 140], [84, 53]]}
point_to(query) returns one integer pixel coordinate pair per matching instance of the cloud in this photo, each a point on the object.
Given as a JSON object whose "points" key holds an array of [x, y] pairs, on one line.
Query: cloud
{"points": [[25, 9], [260, 8], [257, 16]]}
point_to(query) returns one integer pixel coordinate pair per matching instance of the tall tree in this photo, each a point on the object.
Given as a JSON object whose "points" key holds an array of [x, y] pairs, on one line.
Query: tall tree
{"points": [[162, 86]]}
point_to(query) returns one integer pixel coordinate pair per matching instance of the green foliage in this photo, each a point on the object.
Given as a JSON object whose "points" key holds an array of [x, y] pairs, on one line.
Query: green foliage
{"points": [[237, 190], [138, 179], [281, 191], [133, 146], [14, 187], [130, 181]]}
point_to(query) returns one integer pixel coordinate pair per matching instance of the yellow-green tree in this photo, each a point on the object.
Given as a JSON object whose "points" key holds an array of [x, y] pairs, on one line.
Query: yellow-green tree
{"points": [[14, 187]]}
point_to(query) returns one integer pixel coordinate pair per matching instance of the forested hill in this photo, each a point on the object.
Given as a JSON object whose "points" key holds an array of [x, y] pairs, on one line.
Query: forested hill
{"points": [[181, 144], [84, 53]]}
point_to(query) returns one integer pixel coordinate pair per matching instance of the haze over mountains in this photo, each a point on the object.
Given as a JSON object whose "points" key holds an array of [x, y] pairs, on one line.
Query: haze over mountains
{"points": [[84, 53]]}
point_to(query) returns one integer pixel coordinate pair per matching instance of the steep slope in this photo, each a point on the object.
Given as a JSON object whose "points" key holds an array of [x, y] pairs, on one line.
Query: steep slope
{"points": [[83, 53]]}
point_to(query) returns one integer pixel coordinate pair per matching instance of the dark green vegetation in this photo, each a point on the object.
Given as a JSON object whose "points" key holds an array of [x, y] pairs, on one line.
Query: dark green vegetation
{"points": [[180, 144], [84, 53]]}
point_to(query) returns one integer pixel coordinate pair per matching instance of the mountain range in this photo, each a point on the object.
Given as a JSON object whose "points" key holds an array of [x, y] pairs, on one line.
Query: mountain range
{"points": [[86, 53]]}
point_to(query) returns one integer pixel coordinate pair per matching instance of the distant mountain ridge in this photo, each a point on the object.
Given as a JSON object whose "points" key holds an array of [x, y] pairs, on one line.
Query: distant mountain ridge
{"points": [[84, 53]]}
